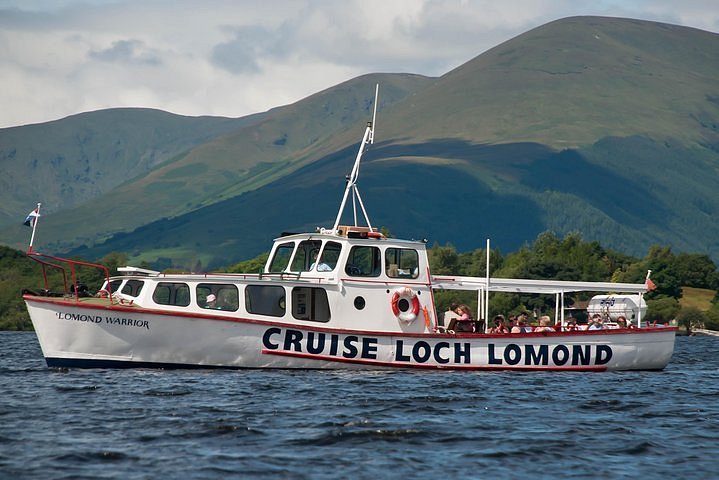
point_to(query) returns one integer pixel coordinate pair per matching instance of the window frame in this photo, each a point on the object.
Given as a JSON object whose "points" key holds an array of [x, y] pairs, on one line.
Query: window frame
{"points": [[376, 260], [399, 261], [217, 289], [174, 289]]}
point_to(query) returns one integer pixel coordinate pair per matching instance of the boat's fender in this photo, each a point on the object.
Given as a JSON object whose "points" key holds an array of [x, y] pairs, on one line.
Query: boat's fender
{"points": [[408, 310]]}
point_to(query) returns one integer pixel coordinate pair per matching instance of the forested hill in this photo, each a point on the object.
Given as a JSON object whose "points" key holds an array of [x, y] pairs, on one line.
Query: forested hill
{"points": [[603, 126]]}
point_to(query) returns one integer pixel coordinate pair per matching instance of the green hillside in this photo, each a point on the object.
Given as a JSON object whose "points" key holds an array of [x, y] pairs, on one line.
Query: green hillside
{"points": [[572, 82], [244, 159], [603, 126], [68, 162]]}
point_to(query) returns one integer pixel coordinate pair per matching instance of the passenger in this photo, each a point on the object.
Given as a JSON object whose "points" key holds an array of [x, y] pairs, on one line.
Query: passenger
{"points": [[211, 301], [322, 267], [570, 325], [464, 322], [526, 326], [544, 324], [522, 326], [450, 314], [596, 322], [621, 321], [499, 326]]}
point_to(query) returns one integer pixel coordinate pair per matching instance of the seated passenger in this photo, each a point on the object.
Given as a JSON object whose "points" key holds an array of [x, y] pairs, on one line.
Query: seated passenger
{"points": [[322, 267], [595, 323], [522, 325], [211, 301], [499, 327], [450, 314], [464, 322], [544, 324], [570, 325], [622, 322]]}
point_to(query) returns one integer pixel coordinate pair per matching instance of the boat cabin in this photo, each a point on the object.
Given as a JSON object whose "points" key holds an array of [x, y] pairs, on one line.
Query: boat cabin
{"points": [[352, 277]]}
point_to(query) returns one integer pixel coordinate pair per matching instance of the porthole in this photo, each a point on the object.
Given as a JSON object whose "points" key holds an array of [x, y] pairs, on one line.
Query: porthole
{"points": [[359, 303]]}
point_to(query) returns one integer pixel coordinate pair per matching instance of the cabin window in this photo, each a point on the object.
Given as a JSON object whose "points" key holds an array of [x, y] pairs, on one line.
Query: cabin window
{"points": [[114, 285], [305, 255], [265, 300], [177, 294], [310, 303], [329, 257], [281, 260], [132, 287], [364, 261], [226, 296], [401, 263]]}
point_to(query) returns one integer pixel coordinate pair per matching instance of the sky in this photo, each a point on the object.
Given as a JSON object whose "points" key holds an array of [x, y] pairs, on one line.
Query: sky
{"points": [[236, 57]]}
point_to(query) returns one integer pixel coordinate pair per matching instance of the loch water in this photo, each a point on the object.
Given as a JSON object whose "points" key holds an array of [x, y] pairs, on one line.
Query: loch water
{"points": [[206, 424]]}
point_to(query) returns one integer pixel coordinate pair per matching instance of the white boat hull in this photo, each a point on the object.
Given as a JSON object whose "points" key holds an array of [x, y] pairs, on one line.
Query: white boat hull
{"points": [[74, 334]]}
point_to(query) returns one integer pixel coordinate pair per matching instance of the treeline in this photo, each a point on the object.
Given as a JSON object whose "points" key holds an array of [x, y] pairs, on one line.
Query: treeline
{"points": [[571, 258], [548, 257]]}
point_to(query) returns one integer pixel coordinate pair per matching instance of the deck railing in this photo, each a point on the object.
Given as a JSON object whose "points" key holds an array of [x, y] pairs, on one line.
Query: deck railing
{"points": [[62, 265]]}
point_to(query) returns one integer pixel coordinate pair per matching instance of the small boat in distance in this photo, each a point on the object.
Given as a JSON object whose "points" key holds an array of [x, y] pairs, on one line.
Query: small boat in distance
{"points": [[342, 297]]}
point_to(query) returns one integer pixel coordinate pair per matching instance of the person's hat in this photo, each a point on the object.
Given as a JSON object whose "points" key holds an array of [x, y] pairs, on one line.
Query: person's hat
{"points": [[211, 298]]}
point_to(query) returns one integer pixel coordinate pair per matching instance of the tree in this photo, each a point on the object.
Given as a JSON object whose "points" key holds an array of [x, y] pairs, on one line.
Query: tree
{"points": [[443, 260], [662, 309], [696, 270], [691, 317], [253, 265]]}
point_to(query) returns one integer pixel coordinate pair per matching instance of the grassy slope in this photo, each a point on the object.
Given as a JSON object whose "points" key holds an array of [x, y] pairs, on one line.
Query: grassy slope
{"points": [[700, 298]]}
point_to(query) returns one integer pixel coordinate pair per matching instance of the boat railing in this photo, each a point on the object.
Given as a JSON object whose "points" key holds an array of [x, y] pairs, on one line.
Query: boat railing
{"points": [[62, 265]]}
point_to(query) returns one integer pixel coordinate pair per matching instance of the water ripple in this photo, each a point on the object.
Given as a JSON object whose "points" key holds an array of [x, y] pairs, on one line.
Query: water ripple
{"points": [[197, 424]]}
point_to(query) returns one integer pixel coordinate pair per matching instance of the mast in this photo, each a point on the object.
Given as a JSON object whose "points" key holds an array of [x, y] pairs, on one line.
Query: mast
{"points": [[351, 186], [34, 215]]}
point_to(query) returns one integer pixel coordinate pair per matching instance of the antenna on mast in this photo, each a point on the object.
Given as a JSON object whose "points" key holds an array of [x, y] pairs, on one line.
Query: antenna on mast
{"points": [[374, 113], [351, 185]]}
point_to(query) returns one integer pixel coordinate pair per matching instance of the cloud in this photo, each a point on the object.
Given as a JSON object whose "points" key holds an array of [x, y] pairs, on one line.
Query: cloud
{"points": [[232, 58], [241, 54], [126, 51]]}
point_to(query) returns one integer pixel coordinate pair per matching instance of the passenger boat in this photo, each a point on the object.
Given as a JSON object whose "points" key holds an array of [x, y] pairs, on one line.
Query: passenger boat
{"points": [[344, 297]]}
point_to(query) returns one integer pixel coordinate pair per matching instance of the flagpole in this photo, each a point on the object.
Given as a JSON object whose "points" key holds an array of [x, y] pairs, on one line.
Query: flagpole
{"points": [[34, 226]]}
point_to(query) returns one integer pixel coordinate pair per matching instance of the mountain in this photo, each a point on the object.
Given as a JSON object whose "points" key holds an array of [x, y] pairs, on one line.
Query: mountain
{"points": [[604, 126], [72, 161], [249, 153]]}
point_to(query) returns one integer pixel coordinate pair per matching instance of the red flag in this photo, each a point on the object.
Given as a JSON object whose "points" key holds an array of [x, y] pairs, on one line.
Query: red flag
{"points": [[650, 285]]}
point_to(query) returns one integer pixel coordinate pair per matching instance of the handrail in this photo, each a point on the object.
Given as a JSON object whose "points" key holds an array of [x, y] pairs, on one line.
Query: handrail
{"points": [[47, 261]]}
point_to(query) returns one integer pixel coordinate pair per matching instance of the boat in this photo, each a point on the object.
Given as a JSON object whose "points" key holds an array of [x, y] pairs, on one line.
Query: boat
{"points": [[343, 297]]}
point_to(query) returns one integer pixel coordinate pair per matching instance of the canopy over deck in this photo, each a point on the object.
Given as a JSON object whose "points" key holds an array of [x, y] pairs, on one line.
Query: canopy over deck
{"points": [[513, 285]]}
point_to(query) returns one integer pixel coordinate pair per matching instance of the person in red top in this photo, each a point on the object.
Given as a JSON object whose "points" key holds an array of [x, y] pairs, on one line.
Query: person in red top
{"points": [[571, 324], [499, 326]]}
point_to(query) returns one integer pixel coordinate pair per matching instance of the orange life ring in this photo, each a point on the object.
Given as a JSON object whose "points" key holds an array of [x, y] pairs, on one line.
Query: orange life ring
{"points": [[405, 304]]}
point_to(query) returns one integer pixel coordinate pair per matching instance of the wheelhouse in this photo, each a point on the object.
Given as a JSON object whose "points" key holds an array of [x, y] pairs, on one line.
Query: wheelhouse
{"points": [[349, 252]]}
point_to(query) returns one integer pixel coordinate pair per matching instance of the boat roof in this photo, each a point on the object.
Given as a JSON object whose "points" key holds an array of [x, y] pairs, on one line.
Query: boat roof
{"points": [[515, 285], [351, 233]]}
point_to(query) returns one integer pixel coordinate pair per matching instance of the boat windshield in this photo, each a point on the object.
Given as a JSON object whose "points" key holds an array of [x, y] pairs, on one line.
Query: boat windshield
{"points": [[281, 260]]}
